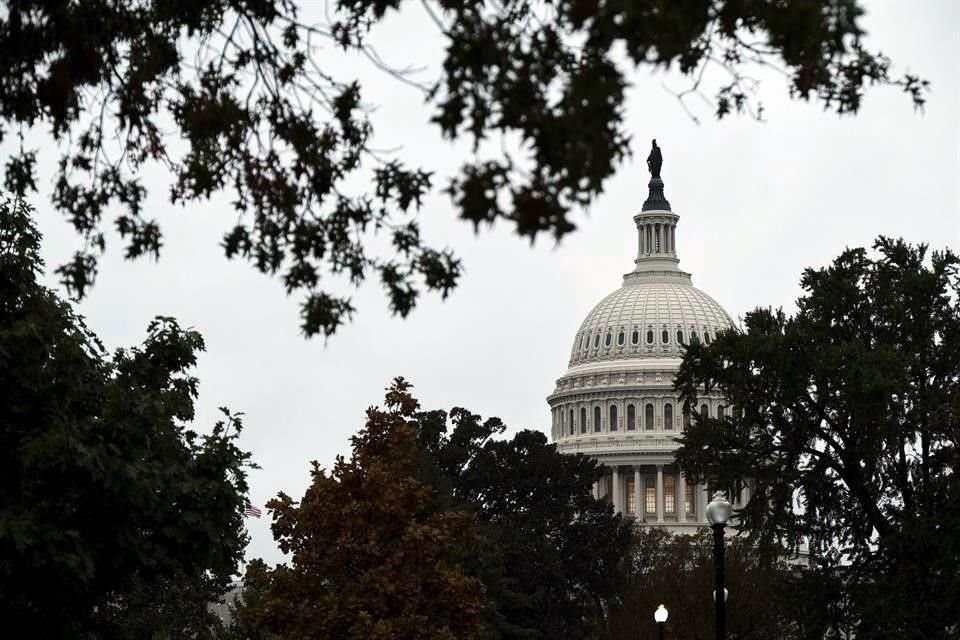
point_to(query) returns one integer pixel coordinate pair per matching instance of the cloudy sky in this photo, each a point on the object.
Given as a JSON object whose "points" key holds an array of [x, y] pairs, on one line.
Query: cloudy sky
{"points": [[758, 203]]}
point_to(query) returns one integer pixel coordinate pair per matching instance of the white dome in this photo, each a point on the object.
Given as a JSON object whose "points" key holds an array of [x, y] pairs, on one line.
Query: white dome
{"points": [[616, 402], [633, 321]]}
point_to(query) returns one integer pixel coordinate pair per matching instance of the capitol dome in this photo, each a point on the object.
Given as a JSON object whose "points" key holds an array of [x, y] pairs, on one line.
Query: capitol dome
{"points": [[647, 319], [615, 402]]}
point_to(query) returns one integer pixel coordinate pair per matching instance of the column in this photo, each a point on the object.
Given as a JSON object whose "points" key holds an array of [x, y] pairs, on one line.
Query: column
{"points": [[682, 503], [643, 493], [617, 490], [659, 493], [673, 238], [637, 491]]}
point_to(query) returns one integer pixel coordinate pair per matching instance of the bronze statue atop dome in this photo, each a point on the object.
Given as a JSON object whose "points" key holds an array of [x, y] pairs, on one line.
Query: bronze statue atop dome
{"points": [[654, 160], [655, 201]]}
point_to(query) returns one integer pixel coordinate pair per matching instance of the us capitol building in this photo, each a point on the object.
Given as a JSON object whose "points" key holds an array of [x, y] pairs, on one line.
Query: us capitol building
{"points": [[616, 403]]}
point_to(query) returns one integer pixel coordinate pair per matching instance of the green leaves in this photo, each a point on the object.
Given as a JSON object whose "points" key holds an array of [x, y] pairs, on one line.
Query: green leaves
{"points": [[551, 557], [836, 429], [109, 506]]}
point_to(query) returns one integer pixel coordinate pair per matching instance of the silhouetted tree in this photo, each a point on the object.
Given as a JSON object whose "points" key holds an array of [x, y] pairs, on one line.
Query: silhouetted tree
{"points": [[233, 96], [426, 533], [678, 572], [552, 557], [846, 422], [105, 494]]}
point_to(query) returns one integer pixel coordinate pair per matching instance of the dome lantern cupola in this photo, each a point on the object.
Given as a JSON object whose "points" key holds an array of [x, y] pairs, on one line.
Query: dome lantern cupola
{"points": [[656, 232]]}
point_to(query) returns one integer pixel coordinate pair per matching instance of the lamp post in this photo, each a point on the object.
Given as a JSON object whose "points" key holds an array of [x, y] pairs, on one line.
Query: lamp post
{"points": [[718, 512], [660, 615]]}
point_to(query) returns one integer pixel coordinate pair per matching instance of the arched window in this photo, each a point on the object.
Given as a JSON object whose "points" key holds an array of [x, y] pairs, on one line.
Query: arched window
{"points": [[650, 337], [668, 416], [706, 337], [596, 420], [620, 338], [648, 417], [686, 418], [596, 340], [571, 422], [583, 420], [693, 335], [721, 412], [664, 336], [704, 411], [608, 339], [613, 417], [679, 337], [635, 338], [631, 418]]}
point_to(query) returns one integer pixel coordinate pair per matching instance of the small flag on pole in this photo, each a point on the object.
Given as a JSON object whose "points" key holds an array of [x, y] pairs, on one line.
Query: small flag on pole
{"points": [[251, 511]]}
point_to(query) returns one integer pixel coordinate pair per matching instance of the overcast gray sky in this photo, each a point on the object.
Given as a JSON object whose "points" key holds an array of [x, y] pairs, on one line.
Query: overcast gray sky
{"points": [[758, 202]]}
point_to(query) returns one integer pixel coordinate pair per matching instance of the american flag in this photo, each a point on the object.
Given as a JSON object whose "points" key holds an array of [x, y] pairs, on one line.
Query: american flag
{"points": [[251, 511]]}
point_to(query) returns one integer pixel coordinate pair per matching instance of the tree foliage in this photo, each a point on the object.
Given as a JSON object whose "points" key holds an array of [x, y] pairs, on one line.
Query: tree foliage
{"points": [[551, 556], [430, 533], [846, 421], [678, 572], [234, 97], [370, 556], [104, 491]]}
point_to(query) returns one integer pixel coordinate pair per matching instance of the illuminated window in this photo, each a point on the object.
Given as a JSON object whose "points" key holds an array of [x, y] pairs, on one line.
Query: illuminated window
{"points": [[668, 416], [613, 417], [650, 496], [583, 420], [631, 418], [669, 495], [596, 419], [688, 498], [648, 417], [631, 496]]}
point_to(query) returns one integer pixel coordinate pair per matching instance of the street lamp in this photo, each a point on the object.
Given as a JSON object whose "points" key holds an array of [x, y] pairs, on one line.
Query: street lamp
{"points": [[660, 615], [718, 512]]}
